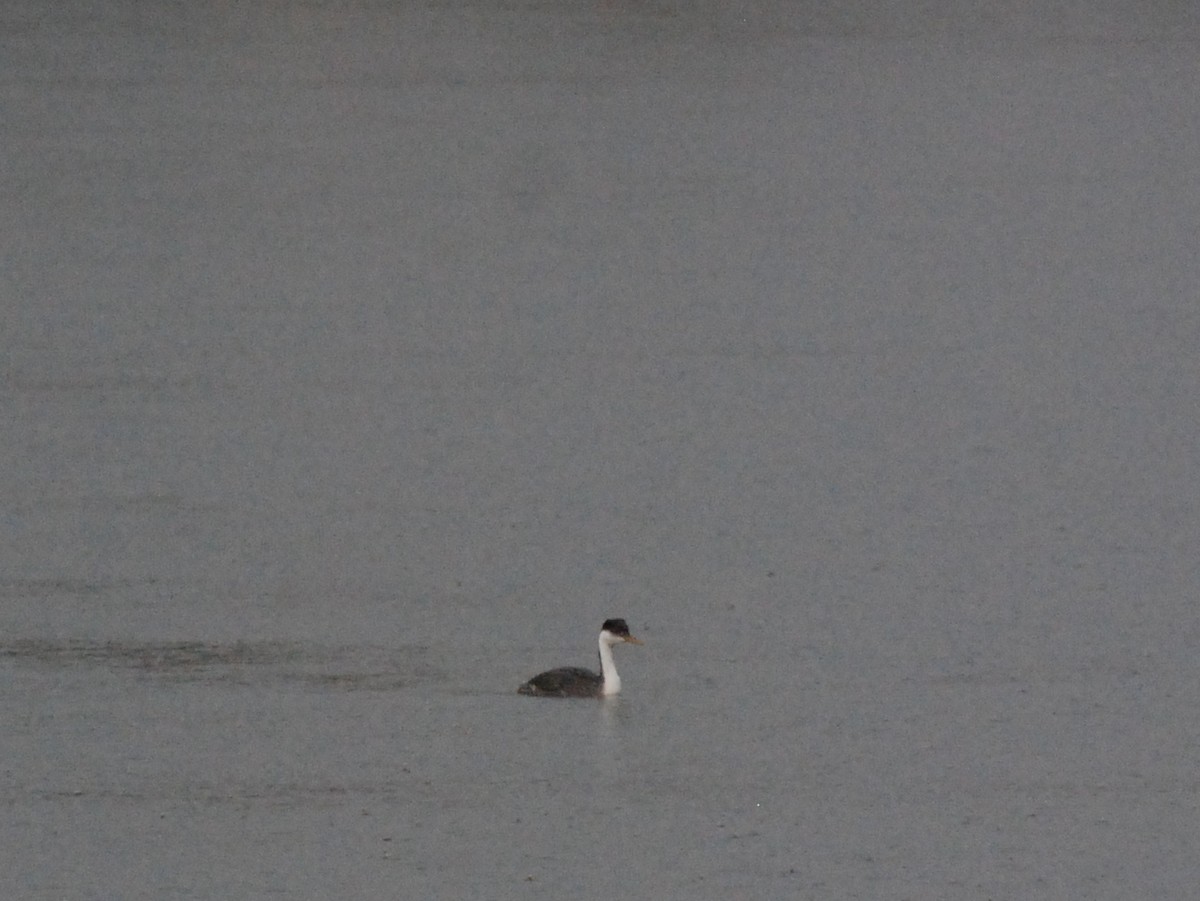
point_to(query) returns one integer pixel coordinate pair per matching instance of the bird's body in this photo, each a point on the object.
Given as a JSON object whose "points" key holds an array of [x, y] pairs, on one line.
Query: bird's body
{"points": [[564, 682], [576, 682]]}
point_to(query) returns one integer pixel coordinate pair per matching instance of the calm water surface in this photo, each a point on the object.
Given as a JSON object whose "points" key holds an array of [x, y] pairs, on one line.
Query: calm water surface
{"points": [[359, 360]]}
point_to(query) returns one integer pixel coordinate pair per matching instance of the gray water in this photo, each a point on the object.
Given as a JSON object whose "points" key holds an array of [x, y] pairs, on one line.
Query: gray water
{"points": [[359, 359]]}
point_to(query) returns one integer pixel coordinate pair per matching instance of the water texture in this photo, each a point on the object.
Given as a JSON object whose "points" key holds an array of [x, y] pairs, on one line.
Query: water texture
{"points": [[360, 359]]}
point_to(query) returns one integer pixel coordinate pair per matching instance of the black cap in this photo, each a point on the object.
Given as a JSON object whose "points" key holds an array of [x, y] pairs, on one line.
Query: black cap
{"points": [[615, 626]]}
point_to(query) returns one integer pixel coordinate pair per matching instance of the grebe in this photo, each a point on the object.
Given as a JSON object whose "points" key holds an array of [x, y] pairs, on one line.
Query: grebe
{"points": [[573, 682]]}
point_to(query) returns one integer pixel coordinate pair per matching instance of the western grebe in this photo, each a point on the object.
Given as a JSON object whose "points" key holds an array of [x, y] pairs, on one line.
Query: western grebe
{"points": [[574, 682]]}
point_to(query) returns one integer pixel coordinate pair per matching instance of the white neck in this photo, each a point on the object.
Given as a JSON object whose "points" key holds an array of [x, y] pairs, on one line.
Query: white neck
{"points": [[608, 669]]}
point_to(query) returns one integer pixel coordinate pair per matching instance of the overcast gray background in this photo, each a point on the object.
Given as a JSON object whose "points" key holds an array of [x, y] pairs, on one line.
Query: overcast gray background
{"points": [[359, 359]]}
